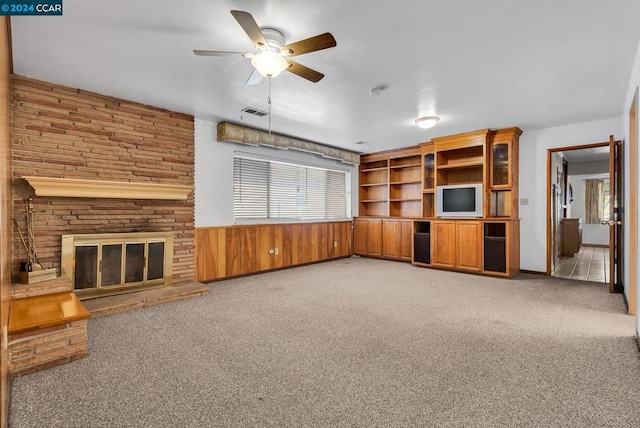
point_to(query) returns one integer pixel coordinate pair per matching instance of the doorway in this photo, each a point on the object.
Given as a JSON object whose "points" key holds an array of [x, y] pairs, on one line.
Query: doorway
{"points": [[581, 206]]}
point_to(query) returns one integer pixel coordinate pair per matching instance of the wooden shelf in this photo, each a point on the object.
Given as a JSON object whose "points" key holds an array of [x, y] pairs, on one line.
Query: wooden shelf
{"points": [[83, 188], [413, 165], [406, 182], [428, 191], [384, 168], [405, 200], [369, 201], [462, 165], [45, 311], [373, 184]]}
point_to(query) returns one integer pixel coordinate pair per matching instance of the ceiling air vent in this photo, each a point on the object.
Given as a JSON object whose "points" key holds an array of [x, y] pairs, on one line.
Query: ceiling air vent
{"points": [[254, 111]]}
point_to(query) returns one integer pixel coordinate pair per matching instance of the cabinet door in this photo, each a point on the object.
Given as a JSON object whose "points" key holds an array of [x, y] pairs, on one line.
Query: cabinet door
{"points": [[287, 245], [249, 249], [360, 229], [500, 164], [300, 252], [391, 238], [469, 238], [277, 243], [374, 237], [406, 239], [265, 248], [444, 243]]}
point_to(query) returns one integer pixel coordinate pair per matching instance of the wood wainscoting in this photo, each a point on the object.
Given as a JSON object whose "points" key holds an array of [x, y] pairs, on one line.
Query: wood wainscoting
{"points": [[223, 252]]}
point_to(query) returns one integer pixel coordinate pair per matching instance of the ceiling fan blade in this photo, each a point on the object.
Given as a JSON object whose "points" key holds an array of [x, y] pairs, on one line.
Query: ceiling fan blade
{"points": [[221, 53], [250, 27], [312, 44], [304, 72], [255, 78]]}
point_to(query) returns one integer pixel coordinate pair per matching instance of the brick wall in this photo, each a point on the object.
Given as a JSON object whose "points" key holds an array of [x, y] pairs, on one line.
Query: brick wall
{"points": [[70, 133]]}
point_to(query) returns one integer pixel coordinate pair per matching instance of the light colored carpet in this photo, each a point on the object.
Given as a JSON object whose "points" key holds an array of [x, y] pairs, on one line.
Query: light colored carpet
{"points": [[355, 342]]}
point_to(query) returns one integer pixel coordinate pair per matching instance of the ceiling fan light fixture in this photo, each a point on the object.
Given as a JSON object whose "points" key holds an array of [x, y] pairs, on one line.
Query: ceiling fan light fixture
{"points": [[427, 122], [269, 64]]}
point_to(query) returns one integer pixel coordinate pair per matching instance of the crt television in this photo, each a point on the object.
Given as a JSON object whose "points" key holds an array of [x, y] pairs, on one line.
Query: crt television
{"points": [[459, 200]]}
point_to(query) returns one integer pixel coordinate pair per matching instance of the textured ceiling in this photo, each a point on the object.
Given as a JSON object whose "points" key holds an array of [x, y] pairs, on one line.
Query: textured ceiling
{"points": [[475, 63]]}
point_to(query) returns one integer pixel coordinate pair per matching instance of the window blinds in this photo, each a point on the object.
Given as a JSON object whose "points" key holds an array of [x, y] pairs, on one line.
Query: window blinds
{"points": [[267, 189]]}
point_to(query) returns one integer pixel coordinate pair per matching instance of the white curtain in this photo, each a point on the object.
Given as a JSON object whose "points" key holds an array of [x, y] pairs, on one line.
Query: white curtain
{"points": [[594, 194]]}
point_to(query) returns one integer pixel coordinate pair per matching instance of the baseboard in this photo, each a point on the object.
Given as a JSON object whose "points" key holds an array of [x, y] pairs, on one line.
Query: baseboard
{"points": [[596, 245]]}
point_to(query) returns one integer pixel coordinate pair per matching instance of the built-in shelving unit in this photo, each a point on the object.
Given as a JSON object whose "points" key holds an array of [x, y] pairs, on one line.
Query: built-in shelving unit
{"points": [[404, 184], [390, 184], [374, 186]]}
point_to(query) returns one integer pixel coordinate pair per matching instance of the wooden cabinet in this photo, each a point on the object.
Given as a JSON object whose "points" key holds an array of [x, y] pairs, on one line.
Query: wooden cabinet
{"points": [[571, 233], [456, 244], [402, 184], [460, 159], [487, 246], [406, 239], [501, 247], [389, 238], [397, 239], [502, 195], [469, 245], [391, 234], [223, 252], [443, 243], [368, 236], [428, 180]]}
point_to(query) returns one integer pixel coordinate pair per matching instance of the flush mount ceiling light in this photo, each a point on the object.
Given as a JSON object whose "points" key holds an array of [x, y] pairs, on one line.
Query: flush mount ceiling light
{"points": [[427, 122]]}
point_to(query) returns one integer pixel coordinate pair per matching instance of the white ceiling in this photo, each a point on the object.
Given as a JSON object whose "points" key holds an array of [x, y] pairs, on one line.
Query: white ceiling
{"points": [[475, 63]]}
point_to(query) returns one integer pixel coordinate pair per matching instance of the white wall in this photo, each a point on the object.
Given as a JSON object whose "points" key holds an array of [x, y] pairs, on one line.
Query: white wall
{"points": [[579, 168], [214, 174], [634, 82], [533, 180], [594, 234]]}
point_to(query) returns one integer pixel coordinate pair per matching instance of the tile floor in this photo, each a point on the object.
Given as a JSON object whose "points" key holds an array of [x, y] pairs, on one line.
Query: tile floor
{"points": [[589, 264]]}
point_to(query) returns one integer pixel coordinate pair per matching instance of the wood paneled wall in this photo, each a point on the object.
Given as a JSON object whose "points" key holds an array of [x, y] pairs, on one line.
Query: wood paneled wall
{"points": [[5, 210], [223, 252]]}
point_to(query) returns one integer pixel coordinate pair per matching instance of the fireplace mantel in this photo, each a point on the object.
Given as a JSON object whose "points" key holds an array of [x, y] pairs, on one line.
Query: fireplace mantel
{"points": [[83, 188]]}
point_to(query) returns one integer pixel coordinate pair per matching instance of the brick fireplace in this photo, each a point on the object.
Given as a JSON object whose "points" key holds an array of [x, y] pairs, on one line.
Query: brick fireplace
{"points": [[71, 134]]}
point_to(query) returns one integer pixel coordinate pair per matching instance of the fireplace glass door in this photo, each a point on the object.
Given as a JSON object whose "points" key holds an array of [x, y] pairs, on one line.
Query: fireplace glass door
{"points": [[117, 262]]}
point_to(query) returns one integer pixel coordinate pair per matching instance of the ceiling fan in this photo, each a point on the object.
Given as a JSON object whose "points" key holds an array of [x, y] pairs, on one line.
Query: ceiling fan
{"points": [[273, 56]]}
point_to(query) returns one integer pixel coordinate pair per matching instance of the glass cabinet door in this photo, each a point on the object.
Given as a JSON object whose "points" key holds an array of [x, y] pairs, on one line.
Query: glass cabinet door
{"points": [[428, 171], [500, 157]]}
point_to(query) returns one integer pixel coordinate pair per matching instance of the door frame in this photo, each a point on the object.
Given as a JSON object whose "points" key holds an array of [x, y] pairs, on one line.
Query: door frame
{"points": [[632, 203], [550, 153]]}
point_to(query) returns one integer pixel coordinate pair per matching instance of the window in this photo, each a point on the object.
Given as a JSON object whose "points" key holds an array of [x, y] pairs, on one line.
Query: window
{"points": [[266, 189], [597, 201]]}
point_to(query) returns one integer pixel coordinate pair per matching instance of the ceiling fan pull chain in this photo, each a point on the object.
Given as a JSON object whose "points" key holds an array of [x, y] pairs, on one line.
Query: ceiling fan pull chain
{"points": [[269, 104]]}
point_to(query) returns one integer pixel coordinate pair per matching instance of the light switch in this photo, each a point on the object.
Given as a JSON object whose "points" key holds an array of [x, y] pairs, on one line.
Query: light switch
{"points": [[524, 201]]}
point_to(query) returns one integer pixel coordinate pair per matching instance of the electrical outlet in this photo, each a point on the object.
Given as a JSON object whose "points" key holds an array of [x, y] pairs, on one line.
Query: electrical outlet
{"points": [[277, 251], [524, 201], [271, 251], [335, 244]]}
